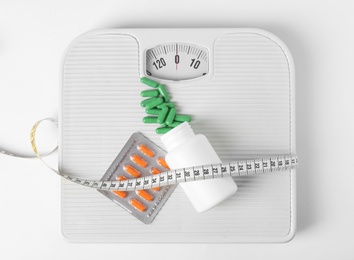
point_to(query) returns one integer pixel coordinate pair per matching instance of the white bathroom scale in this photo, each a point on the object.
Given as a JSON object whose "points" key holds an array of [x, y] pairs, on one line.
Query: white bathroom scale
{"points": [[238, 86]]}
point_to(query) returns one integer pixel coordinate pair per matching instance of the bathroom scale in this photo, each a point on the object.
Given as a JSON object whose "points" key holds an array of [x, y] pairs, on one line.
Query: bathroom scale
{"points": [[238, 84]]}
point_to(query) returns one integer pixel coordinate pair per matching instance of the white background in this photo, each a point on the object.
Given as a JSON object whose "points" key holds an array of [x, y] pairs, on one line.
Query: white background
{"points": [[33, 37]]}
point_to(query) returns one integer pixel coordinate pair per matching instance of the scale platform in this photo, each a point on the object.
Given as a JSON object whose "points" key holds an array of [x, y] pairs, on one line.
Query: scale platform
{"points": [[241, 96]]}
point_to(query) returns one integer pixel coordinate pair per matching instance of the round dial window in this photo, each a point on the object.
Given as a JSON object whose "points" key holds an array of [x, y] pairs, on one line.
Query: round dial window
{"points": [[177, 61]]}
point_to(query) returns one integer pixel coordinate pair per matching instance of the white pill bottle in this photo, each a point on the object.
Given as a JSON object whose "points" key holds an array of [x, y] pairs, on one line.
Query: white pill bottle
{"points": [[186, 149]]}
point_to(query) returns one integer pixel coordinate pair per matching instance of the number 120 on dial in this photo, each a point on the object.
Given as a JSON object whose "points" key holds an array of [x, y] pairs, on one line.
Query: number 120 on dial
{"points": [[177, 61]]}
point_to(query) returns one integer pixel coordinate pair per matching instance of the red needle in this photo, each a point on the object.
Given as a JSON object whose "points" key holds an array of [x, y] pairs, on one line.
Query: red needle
{"points": [[176, 55]]}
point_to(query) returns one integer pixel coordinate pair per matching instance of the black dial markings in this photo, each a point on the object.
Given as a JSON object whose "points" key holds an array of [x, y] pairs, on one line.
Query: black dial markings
{"points": [[179, 54], [199, 54]]}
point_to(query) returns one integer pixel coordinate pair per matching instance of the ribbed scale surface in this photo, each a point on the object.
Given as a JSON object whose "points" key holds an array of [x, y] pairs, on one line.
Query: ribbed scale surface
{"points": [[244, 111]]}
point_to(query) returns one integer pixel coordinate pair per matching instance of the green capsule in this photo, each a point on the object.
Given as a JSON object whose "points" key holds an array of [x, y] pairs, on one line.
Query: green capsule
{"points": [[163, 114], [163, 92], [150, 120], [163, 130], [167, 104], [153, 111], [171, 116], [146, 101], [154, 103], [149, 82], [183, 118], [149, 93], [175, 124]]}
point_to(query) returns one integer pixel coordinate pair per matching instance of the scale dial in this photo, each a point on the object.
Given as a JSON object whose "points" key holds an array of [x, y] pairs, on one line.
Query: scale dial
{"points": [[177, 61]]}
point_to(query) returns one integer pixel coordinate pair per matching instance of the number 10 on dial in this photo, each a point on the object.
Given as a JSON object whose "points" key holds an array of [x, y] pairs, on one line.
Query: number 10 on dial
{"points": [[177, 61]]}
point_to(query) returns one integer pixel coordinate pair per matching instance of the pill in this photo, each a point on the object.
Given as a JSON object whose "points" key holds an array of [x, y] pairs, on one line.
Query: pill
{"points": [[149, 82], [145, 195], [163, 163], [138, 205], [145, 150], [154, 103], [156, 188], [163, 130], [121, 178], [150, 120], [121, 194], [175, 123], [139, 161], [155, 171], [168, 104], [149, 93], [183, 118], [163, 92], [171, 116], [146, 101], [152, 111], [132, 171], [163, 114]]}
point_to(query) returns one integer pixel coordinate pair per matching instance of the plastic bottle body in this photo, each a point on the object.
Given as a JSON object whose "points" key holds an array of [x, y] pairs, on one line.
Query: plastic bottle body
{"points": [[185, 149]]}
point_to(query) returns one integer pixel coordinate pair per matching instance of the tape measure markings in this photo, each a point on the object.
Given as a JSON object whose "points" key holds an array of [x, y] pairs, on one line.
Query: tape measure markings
{"points": [[203, 172], [233, 169]]}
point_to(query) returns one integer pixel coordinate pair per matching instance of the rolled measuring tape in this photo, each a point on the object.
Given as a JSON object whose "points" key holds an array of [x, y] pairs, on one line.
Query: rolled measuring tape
{"points": [[32, 137], [203, 172]]}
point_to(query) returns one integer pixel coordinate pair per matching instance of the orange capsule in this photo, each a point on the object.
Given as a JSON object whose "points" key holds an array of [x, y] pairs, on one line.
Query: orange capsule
{"points": [[145, 195], [121, 178], [139, 161], [155, 171], [145, 150], [120, 194], [156, 188], [163, 163], [132, 171], [138, 205]]}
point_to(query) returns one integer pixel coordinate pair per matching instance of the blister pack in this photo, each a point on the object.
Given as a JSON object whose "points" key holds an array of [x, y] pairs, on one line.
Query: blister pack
{"points": [[139, 157]]}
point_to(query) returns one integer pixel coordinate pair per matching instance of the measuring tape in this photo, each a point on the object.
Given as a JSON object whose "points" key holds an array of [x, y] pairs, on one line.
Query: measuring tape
{"points": [[203, 172], [32, 137]]}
